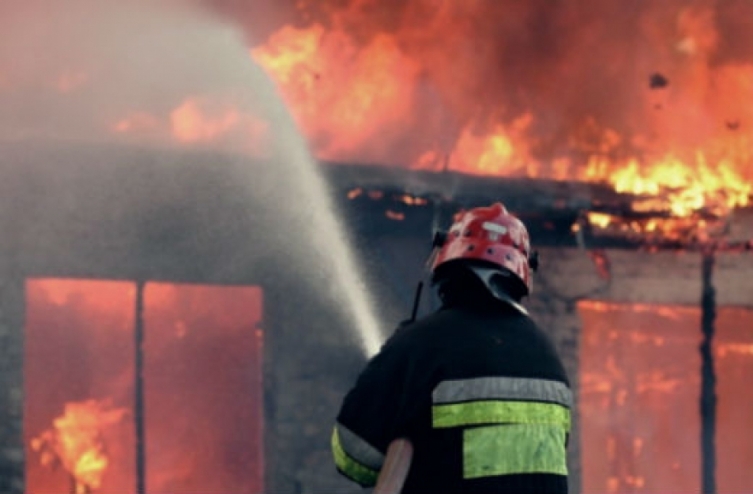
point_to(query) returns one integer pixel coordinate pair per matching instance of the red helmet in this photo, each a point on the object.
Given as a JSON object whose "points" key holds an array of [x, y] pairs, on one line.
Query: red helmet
{"points": [[489, 234]]}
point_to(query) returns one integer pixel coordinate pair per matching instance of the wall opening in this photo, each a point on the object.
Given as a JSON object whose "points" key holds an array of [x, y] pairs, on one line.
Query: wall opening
{"points": [[202, 367], [639, 399]]}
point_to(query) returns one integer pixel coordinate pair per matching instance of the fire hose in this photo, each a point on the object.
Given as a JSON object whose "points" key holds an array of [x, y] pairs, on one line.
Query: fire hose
{"points": [[395, 469]]}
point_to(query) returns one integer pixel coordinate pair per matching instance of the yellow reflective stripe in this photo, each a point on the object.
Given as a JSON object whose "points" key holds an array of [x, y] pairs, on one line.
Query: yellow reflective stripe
{"points": [[514, 449], [500, 412], [350, 467], [358, 448]]}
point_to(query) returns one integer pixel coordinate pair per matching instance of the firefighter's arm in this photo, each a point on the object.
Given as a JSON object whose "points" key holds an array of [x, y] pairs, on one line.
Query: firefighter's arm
{"points": [[396, 467], [371, 416]]}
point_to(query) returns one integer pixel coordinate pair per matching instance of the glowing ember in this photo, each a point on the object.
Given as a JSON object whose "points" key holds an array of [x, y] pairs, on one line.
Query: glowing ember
{"points": [[352, 194], [76, 442], [693, 228], [411, 200], [599, 219], [394, 215]]}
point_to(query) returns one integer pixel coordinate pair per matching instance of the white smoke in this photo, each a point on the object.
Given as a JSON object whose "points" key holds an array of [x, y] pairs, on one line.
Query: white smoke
{"points": [[171, 74]]}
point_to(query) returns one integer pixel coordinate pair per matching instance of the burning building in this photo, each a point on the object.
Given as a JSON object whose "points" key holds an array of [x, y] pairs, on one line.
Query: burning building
{"points": [[170, 324]]}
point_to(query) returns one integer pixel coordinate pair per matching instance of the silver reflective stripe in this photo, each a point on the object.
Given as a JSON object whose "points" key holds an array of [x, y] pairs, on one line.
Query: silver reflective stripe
{"points": [[358, 449], [503, 388]]}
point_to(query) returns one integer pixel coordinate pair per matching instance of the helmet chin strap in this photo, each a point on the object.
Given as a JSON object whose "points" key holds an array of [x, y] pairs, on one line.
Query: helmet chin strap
{"points": [[486, 275]]}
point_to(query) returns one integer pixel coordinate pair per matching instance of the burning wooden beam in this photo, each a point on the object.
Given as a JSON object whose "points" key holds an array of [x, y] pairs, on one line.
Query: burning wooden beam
{"points": [[558, 213]]}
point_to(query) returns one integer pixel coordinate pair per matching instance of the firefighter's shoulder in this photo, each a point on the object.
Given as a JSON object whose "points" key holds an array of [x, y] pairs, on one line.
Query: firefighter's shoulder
{"points": [[409, 334]]}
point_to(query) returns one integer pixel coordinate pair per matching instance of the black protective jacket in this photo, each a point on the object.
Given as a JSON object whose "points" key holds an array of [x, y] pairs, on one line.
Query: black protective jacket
{"points": [[480, 392]]}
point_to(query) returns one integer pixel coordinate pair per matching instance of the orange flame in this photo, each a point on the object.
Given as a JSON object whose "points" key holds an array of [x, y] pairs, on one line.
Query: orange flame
{"points": [[509, 89], [365, 92], [76, 441], [190, 124], [199, 120], [481, 88], [505, 151], [338, 90]]}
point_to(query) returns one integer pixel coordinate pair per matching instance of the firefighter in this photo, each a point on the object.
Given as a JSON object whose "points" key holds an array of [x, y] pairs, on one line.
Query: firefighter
{"points": [[476, 387]]}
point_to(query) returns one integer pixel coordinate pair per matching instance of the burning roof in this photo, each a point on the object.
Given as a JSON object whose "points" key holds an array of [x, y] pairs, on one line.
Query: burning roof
{"points": [[513, 88], [650, 101], [534, 90]]}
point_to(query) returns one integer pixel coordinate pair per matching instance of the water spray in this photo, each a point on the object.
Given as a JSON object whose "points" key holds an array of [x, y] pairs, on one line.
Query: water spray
{"points": [[151, 74], [321, 222], [327, 233]]}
